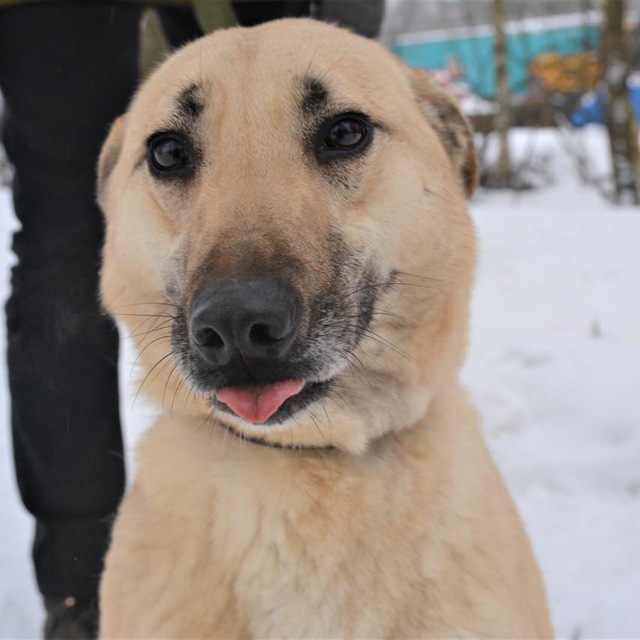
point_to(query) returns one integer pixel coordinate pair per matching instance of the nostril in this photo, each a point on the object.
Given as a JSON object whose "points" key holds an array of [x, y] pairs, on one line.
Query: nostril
{"points": [[261, 334], [208, 337]]}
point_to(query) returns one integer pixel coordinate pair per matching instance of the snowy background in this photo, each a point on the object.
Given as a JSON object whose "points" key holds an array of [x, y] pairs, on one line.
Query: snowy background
{"points": [[554, 366]]}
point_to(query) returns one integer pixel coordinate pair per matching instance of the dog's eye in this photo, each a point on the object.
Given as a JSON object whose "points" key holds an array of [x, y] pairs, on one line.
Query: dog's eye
{"points": [[169, 154], [347, 134]]}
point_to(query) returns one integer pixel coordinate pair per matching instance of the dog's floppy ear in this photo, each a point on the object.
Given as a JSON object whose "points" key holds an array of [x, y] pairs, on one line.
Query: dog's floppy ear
{"points": [[452, 127], [109, 156]]}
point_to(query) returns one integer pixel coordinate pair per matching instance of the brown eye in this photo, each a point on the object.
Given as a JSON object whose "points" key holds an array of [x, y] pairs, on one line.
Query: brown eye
{"points": [[169, 154], [343, 136], [346, 134]]}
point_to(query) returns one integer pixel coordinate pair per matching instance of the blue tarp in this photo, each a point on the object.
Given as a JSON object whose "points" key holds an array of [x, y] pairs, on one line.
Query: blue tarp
{"points": [[591, 110]]}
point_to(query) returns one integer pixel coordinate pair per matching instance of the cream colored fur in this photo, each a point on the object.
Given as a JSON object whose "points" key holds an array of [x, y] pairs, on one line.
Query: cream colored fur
{"points": [[405, 528]]}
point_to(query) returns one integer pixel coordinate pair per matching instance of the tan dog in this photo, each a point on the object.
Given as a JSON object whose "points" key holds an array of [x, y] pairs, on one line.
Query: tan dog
{"points": [[289, 243]]}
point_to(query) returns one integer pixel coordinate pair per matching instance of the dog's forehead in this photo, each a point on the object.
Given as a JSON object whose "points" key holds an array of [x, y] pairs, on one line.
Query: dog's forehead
{"points": [[271, 63]]}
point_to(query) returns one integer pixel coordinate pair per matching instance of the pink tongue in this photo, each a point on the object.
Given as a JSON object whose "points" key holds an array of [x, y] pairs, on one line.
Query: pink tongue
{"points": [[257, 404]]}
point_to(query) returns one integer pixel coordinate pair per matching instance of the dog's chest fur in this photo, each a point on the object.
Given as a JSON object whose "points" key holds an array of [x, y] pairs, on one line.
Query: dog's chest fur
{"points": [[292, 552], [266, 544]]}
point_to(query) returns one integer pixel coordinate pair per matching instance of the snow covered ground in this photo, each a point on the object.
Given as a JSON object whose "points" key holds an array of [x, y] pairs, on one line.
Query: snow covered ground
{"points": [[554, 366]]}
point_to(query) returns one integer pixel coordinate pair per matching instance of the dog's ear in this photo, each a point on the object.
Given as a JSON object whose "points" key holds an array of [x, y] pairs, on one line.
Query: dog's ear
{"points": [[109, 156], [451, 125]]}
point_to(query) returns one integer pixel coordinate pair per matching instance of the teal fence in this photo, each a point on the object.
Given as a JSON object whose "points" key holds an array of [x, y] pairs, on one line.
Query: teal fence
{"points": [[473, 49]]}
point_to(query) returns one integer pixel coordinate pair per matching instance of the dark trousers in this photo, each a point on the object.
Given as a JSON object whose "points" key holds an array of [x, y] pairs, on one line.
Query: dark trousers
{"points": [[66, 71]]}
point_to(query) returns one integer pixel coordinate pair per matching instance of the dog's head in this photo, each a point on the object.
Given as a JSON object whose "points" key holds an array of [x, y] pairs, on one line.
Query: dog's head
{"points": [[287, 235]]}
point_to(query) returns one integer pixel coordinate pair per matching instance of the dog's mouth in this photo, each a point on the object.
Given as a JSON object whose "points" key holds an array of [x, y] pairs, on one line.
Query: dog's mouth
{"points": [[269, 403]]}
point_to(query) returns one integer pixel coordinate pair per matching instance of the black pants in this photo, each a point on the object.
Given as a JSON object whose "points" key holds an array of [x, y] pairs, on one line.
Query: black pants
{"points": [[66, 71]]}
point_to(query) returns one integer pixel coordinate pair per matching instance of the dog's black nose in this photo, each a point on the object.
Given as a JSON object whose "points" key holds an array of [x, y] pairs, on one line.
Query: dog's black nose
{"points": [[253, 319]]}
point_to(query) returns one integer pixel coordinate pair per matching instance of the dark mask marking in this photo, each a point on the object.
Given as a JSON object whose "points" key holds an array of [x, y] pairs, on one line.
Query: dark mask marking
{"points": [[337, 319]]}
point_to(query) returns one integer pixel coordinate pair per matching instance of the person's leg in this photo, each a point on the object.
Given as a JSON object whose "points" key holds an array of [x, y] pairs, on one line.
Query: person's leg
{"points": [[254, 12], [179, 25], [66, 71], [362, 16]]}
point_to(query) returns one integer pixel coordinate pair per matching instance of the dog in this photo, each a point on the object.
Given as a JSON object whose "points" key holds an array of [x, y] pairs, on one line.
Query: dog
{"points": [[288, 243]]}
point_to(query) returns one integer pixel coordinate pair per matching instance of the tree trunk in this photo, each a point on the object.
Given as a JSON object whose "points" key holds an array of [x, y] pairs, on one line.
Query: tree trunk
{"points": [[619, 118], [502, 121]]}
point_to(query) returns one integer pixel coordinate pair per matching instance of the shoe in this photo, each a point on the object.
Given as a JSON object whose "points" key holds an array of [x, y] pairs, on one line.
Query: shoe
{"points": [[68, 619]]}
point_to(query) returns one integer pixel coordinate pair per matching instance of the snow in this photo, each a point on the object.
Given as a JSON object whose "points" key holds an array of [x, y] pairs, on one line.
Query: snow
{"points": [[554, 367]]}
